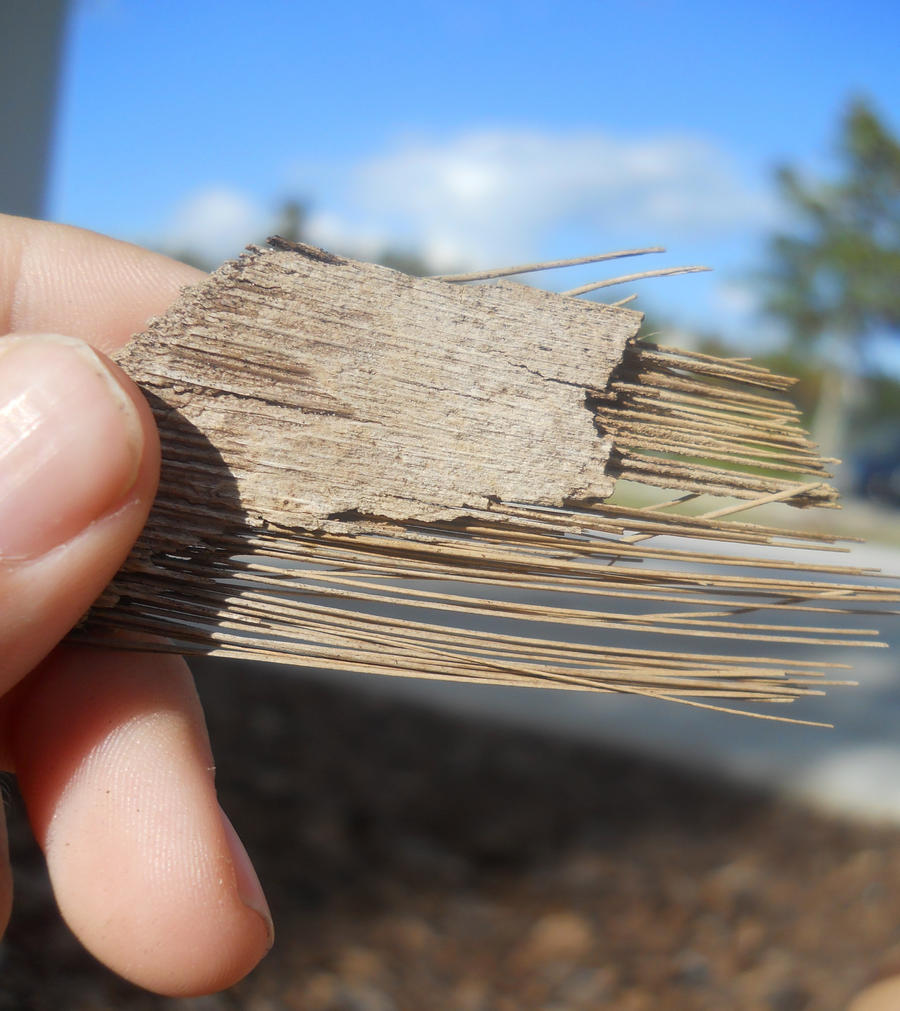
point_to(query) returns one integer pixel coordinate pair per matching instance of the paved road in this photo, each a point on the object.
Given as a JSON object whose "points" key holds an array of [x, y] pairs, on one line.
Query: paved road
{"points": [[854, 768]]}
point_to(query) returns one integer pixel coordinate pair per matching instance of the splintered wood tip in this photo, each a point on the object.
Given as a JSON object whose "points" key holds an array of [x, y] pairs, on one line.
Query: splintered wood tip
{"points": [[368, 471]]}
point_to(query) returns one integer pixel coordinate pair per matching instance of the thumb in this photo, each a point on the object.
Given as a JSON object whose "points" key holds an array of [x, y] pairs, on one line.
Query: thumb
{"points": [[79, 462]]}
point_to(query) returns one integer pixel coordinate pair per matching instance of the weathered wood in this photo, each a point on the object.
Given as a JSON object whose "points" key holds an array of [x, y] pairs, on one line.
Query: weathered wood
{"points": [[333, 389], [361, 468]]}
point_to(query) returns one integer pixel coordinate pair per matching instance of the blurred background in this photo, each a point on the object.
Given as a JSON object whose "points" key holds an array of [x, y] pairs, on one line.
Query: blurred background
{"points": [[762, 140]]}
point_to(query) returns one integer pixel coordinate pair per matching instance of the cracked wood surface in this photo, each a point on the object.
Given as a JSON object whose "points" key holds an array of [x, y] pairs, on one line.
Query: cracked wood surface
{"points": [[326, 423], [334, 390]]}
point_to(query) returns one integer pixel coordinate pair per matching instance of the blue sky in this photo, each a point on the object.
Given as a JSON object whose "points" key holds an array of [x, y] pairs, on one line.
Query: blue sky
{"points": [[478, 134]]}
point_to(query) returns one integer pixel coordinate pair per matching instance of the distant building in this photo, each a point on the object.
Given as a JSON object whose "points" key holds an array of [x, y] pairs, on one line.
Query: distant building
{"points": [[31, 40]]}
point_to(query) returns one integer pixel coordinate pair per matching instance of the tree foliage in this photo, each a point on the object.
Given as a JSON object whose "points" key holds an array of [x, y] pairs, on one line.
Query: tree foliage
{"points": [[837, 277]]}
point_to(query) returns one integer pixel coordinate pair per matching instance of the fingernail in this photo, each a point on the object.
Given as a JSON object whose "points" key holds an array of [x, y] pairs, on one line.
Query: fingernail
{"points": [[248, 886], [70, 442]]}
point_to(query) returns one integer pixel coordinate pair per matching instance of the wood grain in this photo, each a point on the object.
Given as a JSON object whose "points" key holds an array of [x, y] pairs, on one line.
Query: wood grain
{"points": [[409, 477], [334, 389]]}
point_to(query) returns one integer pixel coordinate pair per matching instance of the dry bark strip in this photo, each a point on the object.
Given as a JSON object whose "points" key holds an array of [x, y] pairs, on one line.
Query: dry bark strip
{"points": [[333, 388], [403, 476]]}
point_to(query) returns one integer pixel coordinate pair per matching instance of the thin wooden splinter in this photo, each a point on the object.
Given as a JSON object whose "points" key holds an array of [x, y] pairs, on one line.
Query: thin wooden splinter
{"points": [[628, 278], [530, 268]]}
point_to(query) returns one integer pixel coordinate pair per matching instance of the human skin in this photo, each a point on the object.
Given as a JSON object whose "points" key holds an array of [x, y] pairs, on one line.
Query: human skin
{"points": [[109, 748]]}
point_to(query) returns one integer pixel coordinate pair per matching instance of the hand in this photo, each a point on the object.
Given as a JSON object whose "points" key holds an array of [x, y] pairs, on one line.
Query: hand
{"points": [[110, 748]]}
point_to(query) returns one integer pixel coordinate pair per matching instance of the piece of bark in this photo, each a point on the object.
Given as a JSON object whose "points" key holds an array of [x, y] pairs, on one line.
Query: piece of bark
{"points": [[372, 472], [337, 389]]}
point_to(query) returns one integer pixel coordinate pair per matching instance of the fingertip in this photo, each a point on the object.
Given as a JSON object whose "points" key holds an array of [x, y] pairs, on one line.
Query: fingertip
{"points": [[247, 882], [116, 772], [79, 467], [71, 442]]}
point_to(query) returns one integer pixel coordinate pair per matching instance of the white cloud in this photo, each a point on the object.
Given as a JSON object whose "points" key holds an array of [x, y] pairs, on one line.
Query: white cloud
{"points": [[489, 197], [214, 224], [338, 232], [500, 195], [736, 298]]}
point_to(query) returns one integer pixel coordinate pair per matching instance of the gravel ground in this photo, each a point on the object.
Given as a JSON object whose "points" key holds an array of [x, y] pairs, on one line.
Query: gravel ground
{"points": [[420, 862]]}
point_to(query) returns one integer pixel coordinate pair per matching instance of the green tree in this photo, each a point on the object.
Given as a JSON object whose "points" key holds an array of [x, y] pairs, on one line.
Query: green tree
{"points": [[292, 216], [834, 281], [407, 261]]}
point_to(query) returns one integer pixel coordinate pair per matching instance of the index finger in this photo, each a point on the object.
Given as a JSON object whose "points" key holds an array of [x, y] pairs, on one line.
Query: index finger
{"points": [[60, 279]]}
